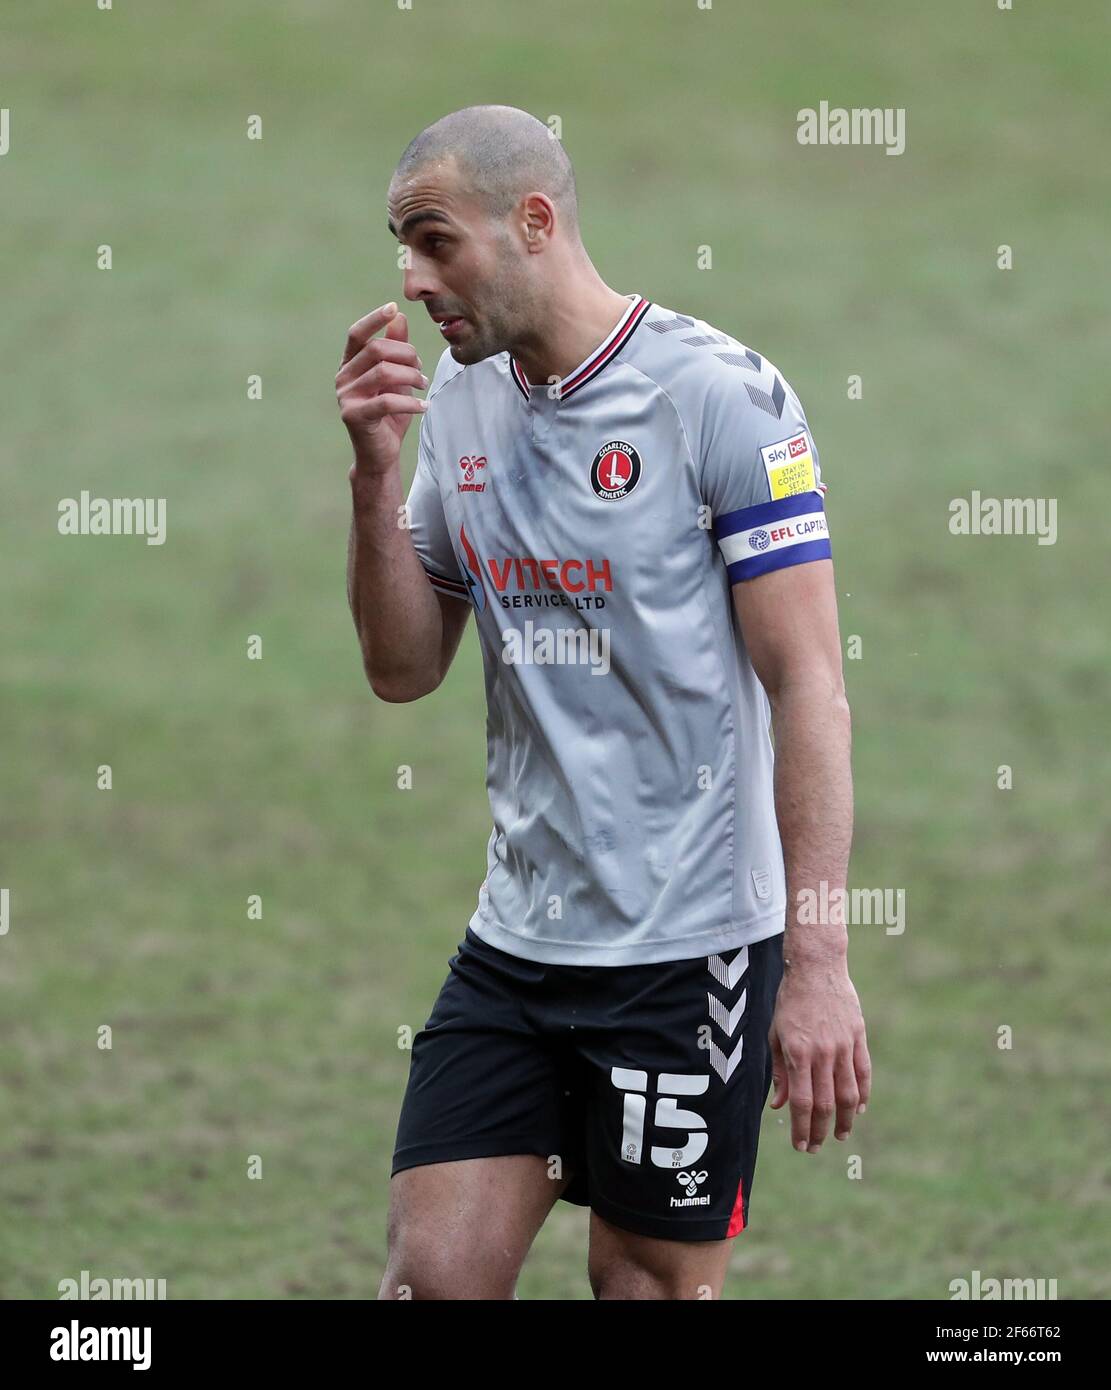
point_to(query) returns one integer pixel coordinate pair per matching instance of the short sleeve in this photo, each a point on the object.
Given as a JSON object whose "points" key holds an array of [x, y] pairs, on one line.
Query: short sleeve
{"points": [[428, 525], [761, 476]]}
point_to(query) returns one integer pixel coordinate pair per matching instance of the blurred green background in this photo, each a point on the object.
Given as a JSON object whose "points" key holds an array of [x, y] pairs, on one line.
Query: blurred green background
{"points": [[278, 1037]]}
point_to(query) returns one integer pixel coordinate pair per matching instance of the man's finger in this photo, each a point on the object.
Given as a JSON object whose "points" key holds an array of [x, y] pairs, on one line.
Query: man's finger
{"points": [[392, 403], [393, 376], [398, 329], [862, 1065], [362, 330], [377, 350], [364, 413], [848, 1097], [802, 1104], [821, 1080]]}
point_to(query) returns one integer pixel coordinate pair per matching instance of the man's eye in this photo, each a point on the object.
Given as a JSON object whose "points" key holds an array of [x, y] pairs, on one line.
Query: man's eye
{"points": [[435, 242]]}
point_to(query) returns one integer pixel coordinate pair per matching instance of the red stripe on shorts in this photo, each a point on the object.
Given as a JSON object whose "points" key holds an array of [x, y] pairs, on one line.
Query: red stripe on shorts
{"points": [[737, 1220]]}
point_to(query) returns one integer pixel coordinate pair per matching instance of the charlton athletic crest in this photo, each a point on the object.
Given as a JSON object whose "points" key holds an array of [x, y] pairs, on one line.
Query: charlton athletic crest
{"points": [[615, 470]]}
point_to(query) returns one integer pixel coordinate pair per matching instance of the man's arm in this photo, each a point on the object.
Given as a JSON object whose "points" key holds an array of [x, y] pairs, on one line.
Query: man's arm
{"points": [[408, 633], [788, 619]]}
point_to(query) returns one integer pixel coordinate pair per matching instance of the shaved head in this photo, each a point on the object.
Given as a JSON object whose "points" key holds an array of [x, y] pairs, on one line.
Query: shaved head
{"points": [[483, 200], [501, 154]]}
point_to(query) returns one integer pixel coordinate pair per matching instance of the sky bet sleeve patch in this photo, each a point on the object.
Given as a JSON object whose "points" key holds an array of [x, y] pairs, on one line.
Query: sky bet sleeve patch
{"points": [[789, 465]]}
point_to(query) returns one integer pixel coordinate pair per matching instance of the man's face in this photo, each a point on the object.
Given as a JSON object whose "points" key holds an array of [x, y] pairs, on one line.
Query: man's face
{"points": [[467, 268]]}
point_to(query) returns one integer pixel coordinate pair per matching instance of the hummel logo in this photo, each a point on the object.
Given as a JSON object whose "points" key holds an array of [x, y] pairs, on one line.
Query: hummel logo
{"points": [[723, 1065], [691, 1181], [728, 975], [727, 1019], [470, 464]]}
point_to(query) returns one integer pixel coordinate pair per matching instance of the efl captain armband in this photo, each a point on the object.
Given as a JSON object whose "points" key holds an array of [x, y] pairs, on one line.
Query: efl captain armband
{"points": [[772, 535]]}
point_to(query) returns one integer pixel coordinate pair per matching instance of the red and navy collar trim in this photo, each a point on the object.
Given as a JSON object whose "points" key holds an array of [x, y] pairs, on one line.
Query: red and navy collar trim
{"points": [[630, 322]]}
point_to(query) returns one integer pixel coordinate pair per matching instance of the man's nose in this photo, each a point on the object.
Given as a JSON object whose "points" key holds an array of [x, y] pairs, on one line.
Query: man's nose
{"points": [[418, 283]]}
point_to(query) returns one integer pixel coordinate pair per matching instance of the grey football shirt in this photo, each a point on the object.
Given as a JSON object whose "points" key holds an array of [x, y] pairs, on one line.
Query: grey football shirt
{"points": [[596, 527]]}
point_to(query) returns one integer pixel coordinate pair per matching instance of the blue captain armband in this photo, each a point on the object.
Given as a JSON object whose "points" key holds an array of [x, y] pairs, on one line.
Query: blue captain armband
{"points": [[772, 535]]}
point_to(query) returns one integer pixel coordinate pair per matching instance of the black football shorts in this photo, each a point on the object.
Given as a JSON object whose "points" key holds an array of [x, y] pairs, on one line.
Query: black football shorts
{"points": [[645, 1082]]}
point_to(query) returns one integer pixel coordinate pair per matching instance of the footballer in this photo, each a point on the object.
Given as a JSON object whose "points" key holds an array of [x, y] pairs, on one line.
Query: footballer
{"points": [[629, 503]]}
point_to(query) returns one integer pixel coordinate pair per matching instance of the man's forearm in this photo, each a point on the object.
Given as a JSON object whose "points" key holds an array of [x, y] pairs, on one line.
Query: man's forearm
{"points": [[814, 808], [396, 613]]}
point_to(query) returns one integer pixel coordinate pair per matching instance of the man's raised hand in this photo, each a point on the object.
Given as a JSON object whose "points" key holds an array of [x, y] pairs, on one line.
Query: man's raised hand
{"points": [[374, 388]]}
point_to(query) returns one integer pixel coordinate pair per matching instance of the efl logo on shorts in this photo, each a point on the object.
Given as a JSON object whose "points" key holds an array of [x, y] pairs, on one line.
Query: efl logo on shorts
{"points": [[615, 471]]}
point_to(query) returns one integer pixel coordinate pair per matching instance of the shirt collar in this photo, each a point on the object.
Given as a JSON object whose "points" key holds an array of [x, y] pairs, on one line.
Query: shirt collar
{"points": [[596, 361]]}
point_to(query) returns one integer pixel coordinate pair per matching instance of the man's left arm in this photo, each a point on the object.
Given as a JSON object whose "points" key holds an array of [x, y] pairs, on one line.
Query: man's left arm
{"points": [[788, 619]]}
